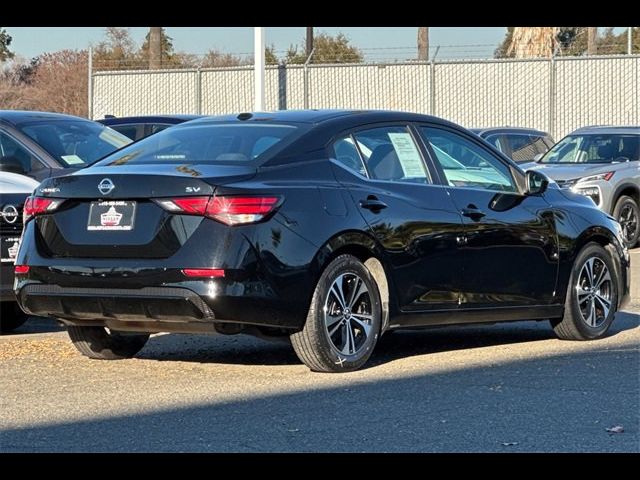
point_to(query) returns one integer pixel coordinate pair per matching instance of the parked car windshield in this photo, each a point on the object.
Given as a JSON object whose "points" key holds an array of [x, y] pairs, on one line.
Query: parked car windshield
{"points": [[206, 143], [594, 149], [74, 143]]}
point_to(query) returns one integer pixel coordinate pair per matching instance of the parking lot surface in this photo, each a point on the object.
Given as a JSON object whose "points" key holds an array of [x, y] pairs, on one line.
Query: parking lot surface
{"points": [[505, 388]]}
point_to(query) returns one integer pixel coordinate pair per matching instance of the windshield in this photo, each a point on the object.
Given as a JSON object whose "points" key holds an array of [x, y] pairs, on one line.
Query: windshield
{"points": [[594, 149], [74, 143], [205, 143]]}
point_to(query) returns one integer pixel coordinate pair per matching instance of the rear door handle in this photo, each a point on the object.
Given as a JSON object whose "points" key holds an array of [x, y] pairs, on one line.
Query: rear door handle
{"points": [[472, 212], [372, 203]]}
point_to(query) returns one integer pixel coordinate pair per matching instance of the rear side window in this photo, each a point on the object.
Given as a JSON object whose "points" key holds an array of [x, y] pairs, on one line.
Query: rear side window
{"points": [[346, 153], [129, 131], [523, 147], [391, 154], [207, 144]]}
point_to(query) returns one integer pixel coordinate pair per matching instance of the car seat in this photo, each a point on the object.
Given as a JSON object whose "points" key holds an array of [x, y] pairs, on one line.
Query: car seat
{"points": [[384, 163]]}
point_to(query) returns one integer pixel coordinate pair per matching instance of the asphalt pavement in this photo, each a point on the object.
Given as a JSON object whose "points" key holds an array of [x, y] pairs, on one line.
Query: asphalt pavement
{"points": [[502, 388]]}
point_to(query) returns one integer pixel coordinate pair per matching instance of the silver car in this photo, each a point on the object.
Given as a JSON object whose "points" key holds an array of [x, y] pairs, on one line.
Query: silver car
{"points": [[602, 163]]}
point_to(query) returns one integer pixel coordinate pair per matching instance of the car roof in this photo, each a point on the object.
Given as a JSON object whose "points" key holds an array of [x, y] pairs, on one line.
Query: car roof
{"points": [[16, 117], [607, 130], [522, 130], [346, 118], [173, 119]]}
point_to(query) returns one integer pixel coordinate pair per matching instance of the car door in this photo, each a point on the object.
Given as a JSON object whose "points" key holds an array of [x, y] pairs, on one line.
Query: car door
{"points": [[413, 220], [17, 158], [510, 246]]}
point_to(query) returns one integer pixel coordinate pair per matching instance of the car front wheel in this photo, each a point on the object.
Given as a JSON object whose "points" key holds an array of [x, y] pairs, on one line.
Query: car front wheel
{"points": [[627, 213], [343, 323], [592, 296]]}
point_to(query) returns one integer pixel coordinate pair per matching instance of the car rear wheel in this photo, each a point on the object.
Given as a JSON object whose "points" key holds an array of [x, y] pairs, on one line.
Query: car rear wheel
{"points": [[592, 296], [627, 213], [103, 344], [343, 324], [11, 317]]}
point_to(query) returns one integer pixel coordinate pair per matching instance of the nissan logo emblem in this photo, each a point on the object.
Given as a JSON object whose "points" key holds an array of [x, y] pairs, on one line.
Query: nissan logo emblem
{"points": [[105, 186], [9, 213]]}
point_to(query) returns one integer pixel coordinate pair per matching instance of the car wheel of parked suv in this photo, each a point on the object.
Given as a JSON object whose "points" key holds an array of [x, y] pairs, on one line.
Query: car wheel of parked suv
{"points": [[343, 323], [103, 344], [592, 296], [627, 213], [11, 317]]}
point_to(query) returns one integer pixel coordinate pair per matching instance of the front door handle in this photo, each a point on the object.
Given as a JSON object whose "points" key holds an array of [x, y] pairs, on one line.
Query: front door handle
{"points": [[372, 203], [473, 212]]}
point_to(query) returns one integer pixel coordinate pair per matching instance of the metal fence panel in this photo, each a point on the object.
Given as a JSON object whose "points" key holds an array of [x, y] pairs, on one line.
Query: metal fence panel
{"points": [[489, 94], [556, 95], [389, 87], [597, 91], [227, 90], [144, 93]]}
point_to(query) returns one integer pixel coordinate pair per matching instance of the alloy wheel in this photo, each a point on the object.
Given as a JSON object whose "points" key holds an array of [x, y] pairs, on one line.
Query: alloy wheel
{"points": [[629, 222], [594, 292], [348, 314]]}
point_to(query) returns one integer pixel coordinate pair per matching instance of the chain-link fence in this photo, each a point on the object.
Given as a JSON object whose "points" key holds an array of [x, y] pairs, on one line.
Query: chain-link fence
{"points": [[556, 95]]}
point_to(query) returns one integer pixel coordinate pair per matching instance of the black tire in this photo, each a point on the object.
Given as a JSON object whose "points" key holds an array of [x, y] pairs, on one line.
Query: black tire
{"points": [[98, 343], [631, 228], [11, 317], [575, 325], [314, 345]]}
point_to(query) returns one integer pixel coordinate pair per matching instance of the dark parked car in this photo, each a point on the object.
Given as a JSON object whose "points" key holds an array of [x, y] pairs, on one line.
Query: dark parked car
{"points": [[137, 128], [14, 189], [330, 227], [519, 144], [42, 144]]}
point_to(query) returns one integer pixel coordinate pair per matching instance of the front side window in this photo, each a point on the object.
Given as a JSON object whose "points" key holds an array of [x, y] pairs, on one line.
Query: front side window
{"points": [[495, 141], [16, 158], [607, 148], [74, 143], [467, 165], [391, 154]]}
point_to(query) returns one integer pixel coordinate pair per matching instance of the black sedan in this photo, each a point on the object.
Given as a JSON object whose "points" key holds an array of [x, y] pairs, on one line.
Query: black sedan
{"points": [[329, 227], [43, 144]]}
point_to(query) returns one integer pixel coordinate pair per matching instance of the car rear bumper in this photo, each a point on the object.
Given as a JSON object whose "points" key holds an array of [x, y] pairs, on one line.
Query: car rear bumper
{"points": [[154, 302]]}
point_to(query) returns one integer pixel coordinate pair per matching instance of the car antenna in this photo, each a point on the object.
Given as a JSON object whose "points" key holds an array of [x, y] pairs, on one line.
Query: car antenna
{"points": [[245, 116]]}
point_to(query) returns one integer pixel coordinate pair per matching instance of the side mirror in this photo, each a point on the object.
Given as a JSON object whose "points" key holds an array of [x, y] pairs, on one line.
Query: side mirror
{"points": [[538, 157], [537, 182], [12, 165]]}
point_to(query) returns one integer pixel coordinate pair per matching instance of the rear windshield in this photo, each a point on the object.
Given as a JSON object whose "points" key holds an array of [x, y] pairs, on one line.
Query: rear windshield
{"points": [[74, 143], [207, 144]]}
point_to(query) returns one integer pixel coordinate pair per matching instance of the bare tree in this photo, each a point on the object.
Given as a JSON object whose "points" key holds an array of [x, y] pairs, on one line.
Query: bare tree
{"points": [[592, 46], [155, 48], [423, 44]]}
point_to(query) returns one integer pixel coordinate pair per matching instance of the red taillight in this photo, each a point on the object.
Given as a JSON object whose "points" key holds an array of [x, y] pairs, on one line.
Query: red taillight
{"points": [[203, 272], [226, 209], [21, 269], [38, 205], [238, 210]]}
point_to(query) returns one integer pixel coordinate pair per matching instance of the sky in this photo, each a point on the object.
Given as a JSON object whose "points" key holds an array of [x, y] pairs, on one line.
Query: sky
{"points": [[395, 42]]}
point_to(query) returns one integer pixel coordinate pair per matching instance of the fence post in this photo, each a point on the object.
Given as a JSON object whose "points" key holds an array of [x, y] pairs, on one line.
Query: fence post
{"points": [[306, 79], [432, 83], [90, 85], [199, 91], [552, 95]]}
